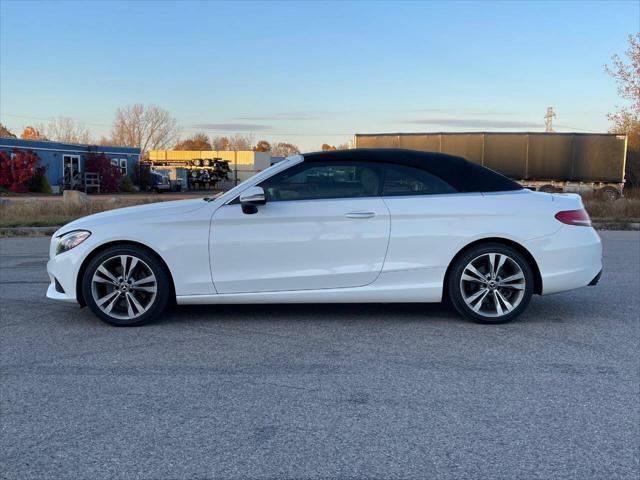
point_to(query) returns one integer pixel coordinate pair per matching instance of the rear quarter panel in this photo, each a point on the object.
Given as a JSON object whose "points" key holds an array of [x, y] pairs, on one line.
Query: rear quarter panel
{"points": [[428, 231]]}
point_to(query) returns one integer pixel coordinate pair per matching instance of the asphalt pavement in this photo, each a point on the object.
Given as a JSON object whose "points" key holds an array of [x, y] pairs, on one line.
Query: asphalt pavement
{"points": [[321, 391]]}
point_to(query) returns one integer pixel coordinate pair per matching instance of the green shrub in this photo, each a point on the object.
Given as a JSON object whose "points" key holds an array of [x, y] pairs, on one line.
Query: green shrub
{"points": [[41, 184], [126, 185]]}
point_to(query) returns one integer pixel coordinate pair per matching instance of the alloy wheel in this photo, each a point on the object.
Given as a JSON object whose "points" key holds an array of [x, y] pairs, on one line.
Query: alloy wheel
{"points": [[124, 287], [492, 284]]}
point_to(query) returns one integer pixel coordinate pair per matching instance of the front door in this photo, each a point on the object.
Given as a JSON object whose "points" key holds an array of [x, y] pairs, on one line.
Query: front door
{"points": [[322, 227], [71, 170]]}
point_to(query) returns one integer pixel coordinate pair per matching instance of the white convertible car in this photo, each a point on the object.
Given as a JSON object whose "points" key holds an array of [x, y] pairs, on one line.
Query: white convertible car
{"points": [[346, 226]]}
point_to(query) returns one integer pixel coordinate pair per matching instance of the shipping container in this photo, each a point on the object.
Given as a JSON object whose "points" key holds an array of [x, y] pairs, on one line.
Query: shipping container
{"points": [[579, 162]]}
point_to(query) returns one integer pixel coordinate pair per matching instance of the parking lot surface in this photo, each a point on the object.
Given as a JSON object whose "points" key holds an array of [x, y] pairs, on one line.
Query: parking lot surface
{"points": [[321, 391]]}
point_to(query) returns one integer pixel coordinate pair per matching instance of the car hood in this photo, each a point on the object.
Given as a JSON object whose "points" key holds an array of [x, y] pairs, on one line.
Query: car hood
{"points": [[139, 213]]}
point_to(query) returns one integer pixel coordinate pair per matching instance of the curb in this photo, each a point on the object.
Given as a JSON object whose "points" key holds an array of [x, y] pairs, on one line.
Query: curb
{"points": [[616, 225], [28, 231]]}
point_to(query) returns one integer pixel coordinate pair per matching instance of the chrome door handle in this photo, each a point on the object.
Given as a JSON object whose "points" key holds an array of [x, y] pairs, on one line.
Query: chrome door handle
{"points": [[360, 214]]}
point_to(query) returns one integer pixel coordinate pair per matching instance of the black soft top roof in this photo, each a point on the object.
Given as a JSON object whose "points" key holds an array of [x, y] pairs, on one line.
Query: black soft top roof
{"points": [[461, 174]]}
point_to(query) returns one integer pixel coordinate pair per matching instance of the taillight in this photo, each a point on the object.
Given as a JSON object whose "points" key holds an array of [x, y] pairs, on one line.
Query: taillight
{"points": [[574, 217]]}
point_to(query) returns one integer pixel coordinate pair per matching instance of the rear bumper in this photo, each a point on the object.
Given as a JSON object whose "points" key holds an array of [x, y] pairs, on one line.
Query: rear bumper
{"points": [[596, 279], [569, 259]]}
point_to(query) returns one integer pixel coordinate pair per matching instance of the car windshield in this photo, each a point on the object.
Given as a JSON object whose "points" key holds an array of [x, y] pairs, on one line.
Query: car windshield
{"points": [[266, 173]]}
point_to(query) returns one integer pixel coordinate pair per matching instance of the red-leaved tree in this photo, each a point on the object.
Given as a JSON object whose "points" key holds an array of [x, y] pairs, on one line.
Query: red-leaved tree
{"points": [[17, 171], [110, 175], [5, 170]]}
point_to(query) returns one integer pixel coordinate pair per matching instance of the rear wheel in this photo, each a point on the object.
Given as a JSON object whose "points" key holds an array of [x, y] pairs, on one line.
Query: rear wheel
{"points": [[609, 193], [126, 286], [548, 189], [491, 283]]}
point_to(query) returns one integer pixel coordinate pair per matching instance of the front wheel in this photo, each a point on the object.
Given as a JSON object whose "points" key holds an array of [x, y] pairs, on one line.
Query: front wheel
{"points": [[126, 286], [609, 193], [491, 283]]}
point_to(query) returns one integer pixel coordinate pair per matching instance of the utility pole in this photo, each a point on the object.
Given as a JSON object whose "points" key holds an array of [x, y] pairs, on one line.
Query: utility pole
{"points": [[548, 120]]}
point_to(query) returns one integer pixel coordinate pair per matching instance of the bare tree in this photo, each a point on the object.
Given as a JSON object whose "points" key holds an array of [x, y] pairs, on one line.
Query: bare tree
{"points": [[148, 127], [106, 141], [220, 143], [284, 149], [627, 118], [627, 77], [240, 142], [64, 129]]}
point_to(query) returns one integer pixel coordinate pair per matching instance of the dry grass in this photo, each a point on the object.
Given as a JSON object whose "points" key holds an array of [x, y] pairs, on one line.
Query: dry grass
{"points": [[627, 208], [44, 213], [621, 209]]}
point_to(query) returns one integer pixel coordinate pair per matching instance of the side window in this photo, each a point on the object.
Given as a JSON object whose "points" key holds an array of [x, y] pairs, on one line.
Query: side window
{"points": [[121, 164], [404, 180], [312, 181]]}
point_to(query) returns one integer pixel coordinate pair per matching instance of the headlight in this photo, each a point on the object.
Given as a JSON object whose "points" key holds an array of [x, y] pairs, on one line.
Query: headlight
{"points": [[71, 239]]}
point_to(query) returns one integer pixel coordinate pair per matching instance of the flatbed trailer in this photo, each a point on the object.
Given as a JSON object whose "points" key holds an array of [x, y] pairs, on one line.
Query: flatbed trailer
{"points": [[194, 174]]}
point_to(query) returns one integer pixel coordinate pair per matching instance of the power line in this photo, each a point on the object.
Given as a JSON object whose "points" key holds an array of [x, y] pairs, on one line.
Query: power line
{"points": [[576, 128]]}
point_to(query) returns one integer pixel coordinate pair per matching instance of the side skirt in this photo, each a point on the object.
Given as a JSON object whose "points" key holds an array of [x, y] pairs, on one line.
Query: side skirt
{"points": [[394, 287]]}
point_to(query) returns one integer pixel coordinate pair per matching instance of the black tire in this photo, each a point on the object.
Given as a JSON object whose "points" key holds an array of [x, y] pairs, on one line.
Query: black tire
{"points": [[457, 295], [609, 193], [156, 305]]}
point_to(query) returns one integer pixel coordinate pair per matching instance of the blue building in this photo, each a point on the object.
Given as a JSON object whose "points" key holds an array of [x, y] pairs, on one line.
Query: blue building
{"points": [[66, 161]]}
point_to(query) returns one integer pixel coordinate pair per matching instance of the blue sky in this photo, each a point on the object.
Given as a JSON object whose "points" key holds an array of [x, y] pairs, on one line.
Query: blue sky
{"points": [[314, 72]]}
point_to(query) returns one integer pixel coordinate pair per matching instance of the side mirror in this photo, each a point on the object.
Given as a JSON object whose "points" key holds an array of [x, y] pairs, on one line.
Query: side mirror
{"points": [[251, 198]]}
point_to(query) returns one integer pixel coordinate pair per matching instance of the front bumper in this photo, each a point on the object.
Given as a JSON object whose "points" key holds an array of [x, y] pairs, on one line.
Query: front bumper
{"points": [[64, 268], [66, 278], [53, 294]]}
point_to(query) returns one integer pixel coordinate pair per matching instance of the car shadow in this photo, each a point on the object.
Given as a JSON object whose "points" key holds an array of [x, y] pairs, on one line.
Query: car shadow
{"points": [[324, 312]]}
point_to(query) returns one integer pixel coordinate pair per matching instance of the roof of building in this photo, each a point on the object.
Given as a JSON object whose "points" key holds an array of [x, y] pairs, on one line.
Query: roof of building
{"points": [[461, 174], [50, 145]]}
